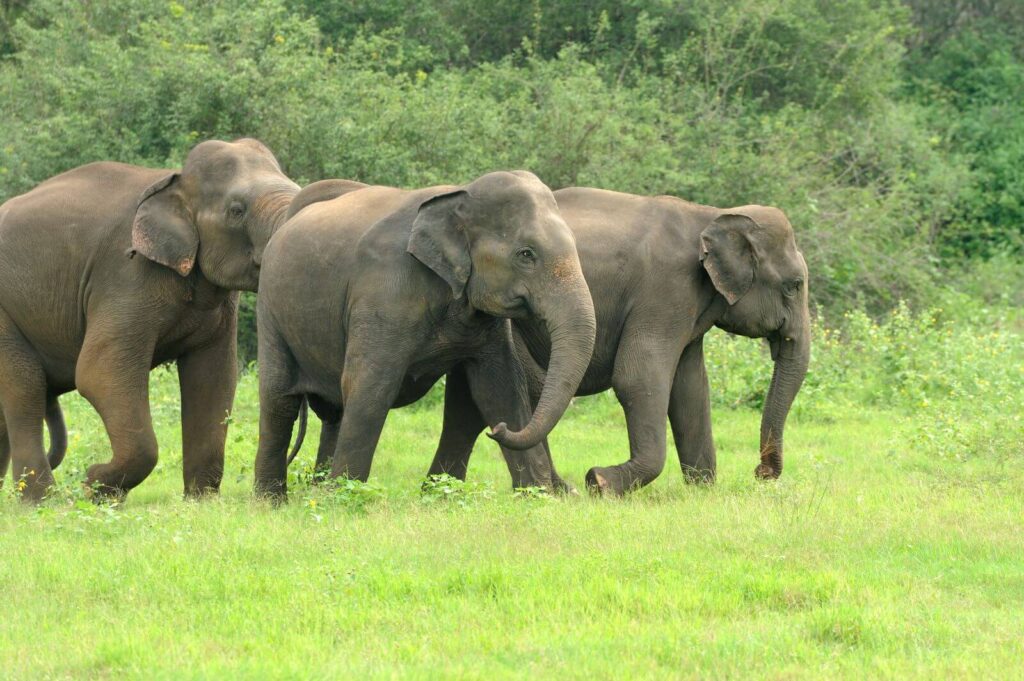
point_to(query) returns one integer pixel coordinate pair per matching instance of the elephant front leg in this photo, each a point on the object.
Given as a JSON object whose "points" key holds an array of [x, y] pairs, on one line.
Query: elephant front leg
{"points": [[208, 378], [689, 412], [369, 387], [114, 378], [642, 382], [461, 428], [498, 387]]}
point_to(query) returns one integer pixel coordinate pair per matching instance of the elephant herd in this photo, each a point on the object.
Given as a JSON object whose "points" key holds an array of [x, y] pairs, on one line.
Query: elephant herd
{"points": [[521, 297]]}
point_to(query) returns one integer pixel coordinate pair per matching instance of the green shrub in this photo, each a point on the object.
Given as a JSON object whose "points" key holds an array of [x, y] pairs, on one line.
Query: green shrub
{"points": [[889, 135], [444, 489]]}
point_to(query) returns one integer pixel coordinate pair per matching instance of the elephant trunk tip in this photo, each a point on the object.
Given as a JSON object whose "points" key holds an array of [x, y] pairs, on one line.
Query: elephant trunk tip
{"points": [[518, 439]]}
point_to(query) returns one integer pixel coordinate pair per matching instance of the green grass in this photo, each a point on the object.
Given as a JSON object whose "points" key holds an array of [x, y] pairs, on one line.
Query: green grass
{"points": [[869, 558]]}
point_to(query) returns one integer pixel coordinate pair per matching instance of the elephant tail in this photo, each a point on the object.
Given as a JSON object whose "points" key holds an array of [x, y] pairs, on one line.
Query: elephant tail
{"points": [[303, 420], [58, 432]]}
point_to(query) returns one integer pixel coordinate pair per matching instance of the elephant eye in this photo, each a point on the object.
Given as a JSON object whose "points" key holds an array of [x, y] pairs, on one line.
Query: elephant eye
{"points": [[526, 255], [793, 286], [236, 210]]}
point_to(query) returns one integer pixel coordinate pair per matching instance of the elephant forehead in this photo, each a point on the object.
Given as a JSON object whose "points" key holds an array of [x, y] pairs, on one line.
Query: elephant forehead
{"points": [[503, 186], [225, 161], [770, 218]]}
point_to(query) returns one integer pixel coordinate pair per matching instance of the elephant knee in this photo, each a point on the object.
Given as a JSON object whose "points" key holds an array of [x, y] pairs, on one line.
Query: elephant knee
{"points": [[125, 471]]}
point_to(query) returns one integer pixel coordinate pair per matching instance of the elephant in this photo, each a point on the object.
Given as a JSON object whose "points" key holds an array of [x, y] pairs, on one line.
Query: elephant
{"points": [[662, 272], [109, 270], [366, 300]]}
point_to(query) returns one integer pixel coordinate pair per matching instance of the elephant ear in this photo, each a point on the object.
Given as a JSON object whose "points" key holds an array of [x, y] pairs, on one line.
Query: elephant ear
{"points": [[163, 230], [728, 255], [439, 241]]}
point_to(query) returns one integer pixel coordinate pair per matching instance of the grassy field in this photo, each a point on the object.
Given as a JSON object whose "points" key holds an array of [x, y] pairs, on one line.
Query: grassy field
{"points": [[868, 558]]}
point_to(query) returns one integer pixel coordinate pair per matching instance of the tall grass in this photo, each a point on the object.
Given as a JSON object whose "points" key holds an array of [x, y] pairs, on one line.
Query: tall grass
{"points": [[890, 548]]}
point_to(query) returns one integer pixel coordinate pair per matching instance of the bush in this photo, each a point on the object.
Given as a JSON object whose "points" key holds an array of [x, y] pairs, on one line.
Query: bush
{"points": [[896, 167]]}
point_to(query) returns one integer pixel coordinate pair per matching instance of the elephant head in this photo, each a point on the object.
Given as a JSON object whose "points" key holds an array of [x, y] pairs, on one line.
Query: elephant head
{"points": [[751, 256], [219, 212], [502, 244]]}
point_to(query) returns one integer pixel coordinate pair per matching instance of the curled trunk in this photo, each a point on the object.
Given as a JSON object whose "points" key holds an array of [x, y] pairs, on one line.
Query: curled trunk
{"points": [[570, 322]]}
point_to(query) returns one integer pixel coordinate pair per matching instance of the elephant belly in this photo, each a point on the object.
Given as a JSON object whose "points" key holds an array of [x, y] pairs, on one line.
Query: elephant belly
{"points": [[413, 389]]}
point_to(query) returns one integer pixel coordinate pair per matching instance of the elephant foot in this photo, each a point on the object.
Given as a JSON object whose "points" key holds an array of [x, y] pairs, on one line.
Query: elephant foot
{"points": [[599, 482], [112, 481], [566, 489], [201, 493], [102, 494], [275, 493], [766, 472], [694, 476], [35, 488]]}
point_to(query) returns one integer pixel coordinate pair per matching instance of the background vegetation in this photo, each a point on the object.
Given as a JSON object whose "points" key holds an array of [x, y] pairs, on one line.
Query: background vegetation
{"points": [[891, 133]]}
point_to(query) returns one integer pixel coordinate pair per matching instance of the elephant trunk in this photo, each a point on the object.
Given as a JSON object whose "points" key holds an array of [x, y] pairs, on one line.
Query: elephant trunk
{"points": [[791, 350], [270, 211], [571, 325]]}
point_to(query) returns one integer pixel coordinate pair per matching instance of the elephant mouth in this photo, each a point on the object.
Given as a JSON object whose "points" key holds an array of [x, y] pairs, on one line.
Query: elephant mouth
{"points": [[517, 308], [775, 344]]}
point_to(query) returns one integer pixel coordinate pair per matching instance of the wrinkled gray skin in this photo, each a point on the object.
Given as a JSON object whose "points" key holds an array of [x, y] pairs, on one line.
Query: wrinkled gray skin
{"points": [[662, 272], [367, 299], [108, 270]]}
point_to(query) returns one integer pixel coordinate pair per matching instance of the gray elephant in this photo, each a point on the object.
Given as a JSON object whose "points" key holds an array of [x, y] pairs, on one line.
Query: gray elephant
{"points": [[108, 270], [367, 299], [662, 272]]}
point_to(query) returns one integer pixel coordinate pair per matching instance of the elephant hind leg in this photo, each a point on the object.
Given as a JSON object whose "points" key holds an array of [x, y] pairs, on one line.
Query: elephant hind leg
{"points": [[278, 411], [330, 419], [642, 383], [279, 408], [461, 427], [23, 401]]}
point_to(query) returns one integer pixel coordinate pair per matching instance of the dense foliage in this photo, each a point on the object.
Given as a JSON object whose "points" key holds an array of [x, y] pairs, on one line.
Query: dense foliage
{"points": [[891, 133]]}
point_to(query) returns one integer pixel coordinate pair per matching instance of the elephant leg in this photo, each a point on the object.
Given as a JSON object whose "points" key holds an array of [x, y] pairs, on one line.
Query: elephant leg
{"points": [[114, 378], [535, 377], [498, 387], [689, 412], [369, 387], [461, 427], [279, 407], [23, 403], [207, 377], [642, 383], [329, 432], [278, 411], [330, 420]]}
